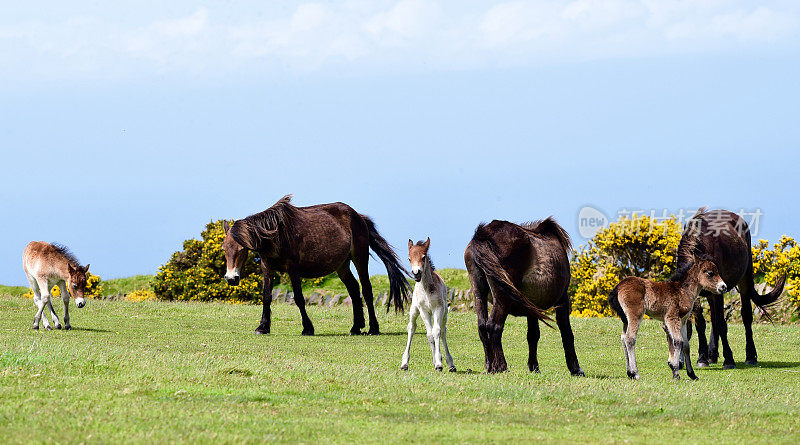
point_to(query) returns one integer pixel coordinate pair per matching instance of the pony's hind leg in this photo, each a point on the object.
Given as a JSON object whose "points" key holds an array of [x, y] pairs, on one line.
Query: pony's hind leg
{"points": [[447, 357], [567, 337], [629, 341], [353, 289], [412, 327], [533, 344], [361, 262]]}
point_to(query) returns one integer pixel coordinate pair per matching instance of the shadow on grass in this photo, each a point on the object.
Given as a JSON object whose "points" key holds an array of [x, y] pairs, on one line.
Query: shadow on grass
{"points": [[90, 330], [761, 364], [363, 334]]}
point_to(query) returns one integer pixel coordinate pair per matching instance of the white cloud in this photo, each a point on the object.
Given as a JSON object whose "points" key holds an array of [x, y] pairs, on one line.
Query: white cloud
{"points": [[391, 35]]}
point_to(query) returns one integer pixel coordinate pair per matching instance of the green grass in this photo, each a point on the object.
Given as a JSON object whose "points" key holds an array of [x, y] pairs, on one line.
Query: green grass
{"points": [[126, 285], [193, 372], [13, 290]]}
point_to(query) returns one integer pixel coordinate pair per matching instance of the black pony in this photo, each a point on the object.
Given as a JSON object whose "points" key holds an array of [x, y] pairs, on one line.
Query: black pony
{"points": [[311, 242], [725, 237]]}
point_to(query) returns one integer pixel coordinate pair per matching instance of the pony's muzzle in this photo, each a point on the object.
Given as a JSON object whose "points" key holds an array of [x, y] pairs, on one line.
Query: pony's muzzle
{"points": [[80, 302], [417, 275], [233, 281], [722, 288]]}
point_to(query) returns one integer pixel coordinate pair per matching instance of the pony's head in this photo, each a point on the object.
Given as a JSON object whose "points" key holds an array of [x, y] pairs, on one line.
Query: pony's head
{"points": [[708, 276], [235, 256], [77, 283], [418, 256]]}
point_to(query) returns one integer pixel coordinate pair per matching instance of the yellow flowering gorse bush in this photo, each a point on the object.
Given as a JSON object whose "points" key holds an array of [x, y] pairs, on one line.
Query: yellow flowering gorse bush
{"points": [[783, 258], [643, 247]]}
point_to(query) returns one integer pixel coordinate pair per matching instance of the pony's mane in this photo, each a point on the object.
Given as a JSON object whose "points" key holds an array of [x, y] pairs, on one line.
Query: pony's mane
{"points": [[64, 250], [682, 270], [422, 243], [275, 222], [549, 227], [690, 245]]}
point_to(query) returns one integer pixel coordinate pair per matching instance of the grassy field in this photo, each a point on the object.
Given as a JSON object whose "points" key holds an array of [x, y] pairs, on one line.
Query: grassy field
{"points": [[194, 372]]}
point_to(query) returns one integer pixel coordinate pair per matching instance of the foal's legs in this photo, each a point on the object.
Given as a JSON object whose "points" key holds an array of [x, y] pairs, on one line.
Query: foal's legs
{"points": [[680, 346], [433, 332], [685, 352], [65, 299], [629, 341], [447, 357], [412, 327], [355, 296], [44, 299], [567, 338], [300, 301], [533, 343]]}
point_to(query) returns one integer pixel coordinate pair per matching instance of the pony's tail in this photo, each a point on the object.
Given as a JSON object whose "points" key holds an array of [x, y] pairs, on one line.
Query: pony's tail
{"points": [[399, 288], [486, 260], [770, 298], [613, 301]]}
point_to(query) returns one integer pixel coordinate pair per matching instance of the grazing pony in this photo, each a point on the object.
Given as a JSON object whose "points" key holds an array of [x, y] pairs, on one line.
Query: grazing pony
{"points": [[671, 302], [47, 265], [527, 271], [311, 242], [725, 237], [429, 300]]}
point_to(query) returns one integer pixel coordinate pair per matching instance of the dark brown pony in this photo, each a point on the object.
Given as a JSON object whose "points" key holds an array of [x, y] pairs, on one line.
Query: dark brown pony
{"points": [[527, 271], [725, 237], [311, 242]]}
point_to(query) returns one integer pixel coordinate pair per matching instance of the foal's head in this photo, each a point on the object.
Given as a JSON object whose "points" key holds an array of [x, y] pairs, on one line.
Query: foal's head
{"points": [[77, 283], [235, 255], [708, 276], [418, 256]]}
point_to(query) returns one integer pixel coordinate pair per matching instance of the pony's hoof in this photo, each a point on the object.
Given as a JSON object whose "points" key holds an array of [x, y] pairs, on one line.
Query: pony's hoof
{"points": [[702, 363], [48, 328], [676, 377], [67, 327], [452, 369], [729, 366], [35, 327], [692, 376], [404, 367], [308, 332], [58, 326], [438, 368], [751, 362], [375, 331], [261, 331], [633, 375], [577, 373], [353, 331]]}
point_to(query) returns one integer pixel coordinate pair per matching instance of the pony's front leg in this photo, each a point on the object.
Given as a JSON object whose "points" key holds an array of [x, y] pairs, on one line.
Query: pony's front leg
{"points": [[44, 299], [674, 328], [300, 301], [447, 357], [412, 327], [266, 296], [435, 338]]}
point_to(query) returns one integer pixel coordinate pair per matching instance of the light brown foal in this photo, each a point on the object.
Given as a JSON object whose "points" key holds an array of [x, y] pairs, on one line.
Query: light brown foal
{"points": [[669, 301], [48, 265]]}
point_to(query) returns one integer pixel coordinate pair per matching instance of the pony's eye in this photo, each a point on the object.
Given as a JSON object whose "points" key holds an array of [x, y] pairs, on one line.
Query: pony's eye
{"points": [[424, 256], [710, 274]]}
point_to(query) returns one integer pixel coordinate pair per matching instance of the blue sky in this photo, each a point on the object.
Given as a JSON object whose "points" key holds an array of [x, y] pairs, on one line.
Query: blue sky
{"points": [[125, 127]]}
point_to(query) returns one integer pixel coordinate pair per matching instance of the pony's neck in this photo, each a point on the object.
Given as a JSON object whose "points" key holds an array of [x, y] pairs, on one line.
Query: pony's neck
{"points": [[691, 284]]}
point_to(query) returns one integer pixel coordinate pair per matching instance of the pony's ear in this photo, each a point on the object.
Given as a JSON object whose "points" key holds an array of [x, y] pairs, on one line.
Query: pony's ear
{"points": [[427, 243], [225, 226], [86, 269], [410, 244], [70, 268]]}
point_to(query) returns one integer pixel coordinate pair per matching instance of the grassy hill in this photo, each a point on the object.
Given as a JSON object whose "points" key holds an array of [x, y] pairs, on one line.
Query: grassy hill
{"points": [[194, 372]]}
